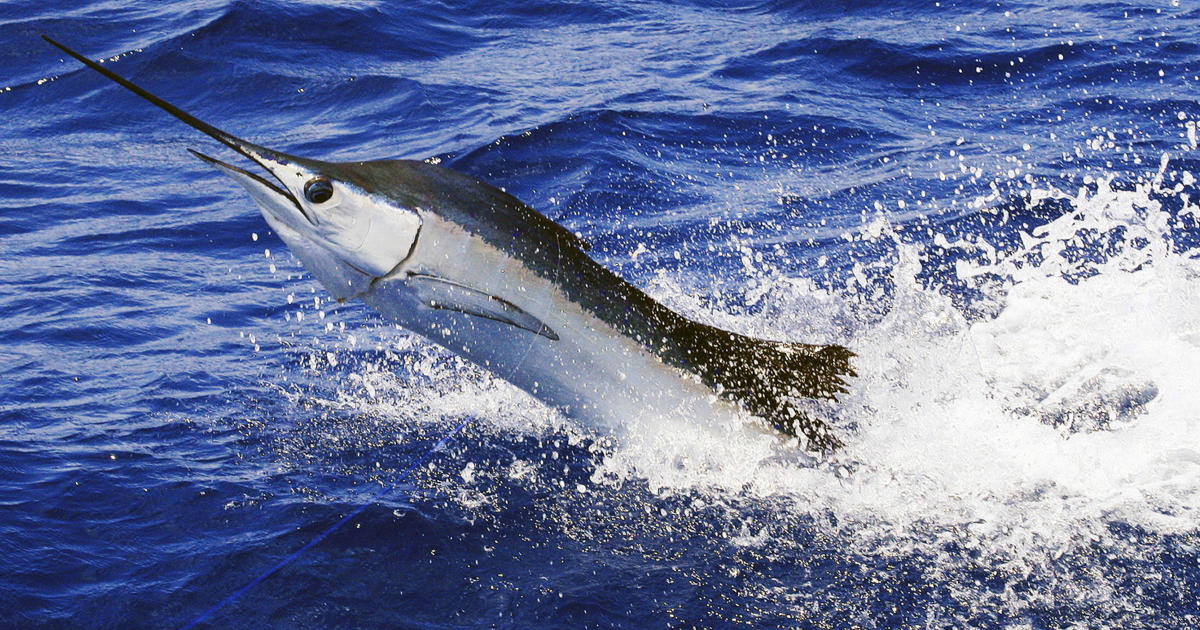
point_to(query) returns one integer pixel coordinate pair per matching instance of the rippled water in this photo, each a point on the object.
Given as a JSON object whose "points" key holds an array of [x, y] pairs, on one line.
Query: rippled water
{"points": [[992, 204]]}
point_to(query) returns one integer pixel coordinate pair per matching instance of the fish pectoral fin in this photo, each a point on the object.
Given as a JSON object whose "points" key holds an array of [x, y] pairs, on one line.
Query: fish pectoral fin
{"points": [[447, 295]]}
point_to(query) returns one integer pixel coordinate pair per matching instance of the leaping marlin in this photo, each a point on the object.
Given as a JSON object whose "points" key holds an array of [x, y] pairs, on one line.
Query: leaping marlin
{"points": [[477, 271]]}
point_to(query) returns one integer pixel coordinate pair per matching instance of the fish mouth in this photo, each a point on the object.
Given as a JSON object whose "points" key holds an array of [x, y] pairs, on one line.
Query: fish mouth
{"points": [[255, 183], [268, 159]]}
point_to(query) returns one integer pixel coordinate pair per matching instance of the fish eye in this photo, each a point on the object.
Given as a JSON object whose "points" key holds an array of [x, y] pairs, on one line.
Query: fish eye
{"points": [[318, 190]]}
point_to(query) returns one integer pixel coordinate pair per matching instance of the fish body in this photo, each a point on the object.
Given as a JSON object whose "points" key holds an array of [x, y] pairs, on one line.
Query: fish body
{"points": [[475, 270]]}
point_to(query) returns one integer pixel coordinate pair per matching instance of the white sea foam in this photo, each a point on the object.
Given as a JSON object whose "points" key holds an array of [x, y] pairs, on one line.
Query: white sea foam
{"points": [[1068, 417], [1073, 408]]}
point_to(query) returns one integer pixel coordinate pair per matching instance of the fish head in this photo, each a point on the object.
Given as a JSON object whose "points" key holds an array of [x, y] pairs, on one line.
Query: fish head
{"points": [[346, 235]]}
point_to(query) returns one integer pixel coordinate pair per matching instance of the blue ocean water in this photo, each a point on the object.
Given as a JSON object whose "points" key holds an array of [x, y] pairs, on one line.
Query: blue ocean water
{"points": [[992, 203]]}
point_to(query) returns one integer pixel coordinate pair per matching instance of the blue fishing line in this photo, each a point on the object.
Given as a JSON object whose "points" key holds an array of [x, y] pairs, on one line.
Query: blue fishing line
{"points": [[325, 534]]}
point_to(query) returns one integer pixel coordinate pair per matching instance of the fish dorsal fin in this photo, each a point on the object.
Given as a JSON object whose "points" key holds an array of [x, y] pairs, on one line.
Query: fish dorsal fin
{"points": [[448, 295], [766, 377]]}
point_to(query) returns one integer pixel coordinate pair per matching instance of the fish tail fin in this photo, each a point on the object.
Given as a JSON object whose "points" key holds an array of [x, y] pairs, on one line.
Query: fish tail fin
{"points": [[767, 378], [801, 371]]}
